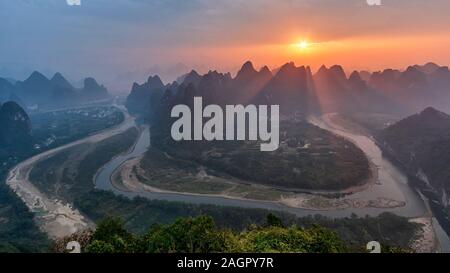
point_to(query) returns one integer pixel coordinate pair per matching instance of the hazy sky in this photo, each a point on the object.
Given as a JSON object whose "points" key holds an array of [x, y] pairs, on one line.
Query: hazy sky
{"points": [[120, 41]]}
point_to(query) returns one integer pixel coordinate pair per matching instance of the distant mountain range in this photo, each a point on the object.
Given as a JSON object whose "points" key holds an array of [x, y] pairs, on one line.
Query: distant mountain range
{"points": [[37, 90], [298, 91]]}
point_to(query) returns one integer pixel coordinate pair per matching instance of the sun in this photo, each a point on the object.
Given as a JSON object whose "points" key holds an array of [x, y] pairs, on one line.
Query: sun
{"points": [[303, 45]]}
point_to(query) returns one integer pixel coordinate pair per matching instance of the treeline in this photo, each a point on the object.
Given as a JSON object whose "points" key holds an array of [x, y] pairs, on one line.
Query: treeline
{"points": [[201, 235]]}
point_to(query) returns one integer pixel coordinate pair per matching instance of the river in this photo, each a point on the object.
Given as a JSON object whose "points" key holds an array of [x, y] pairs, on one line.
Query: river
{"points": [[393, 184]]}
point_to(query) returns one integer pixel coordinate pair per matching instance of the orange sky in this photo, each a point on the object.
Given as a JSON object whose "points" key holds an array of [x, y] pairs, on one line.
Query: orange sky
{"points": [[125, 41], [363, 53]]}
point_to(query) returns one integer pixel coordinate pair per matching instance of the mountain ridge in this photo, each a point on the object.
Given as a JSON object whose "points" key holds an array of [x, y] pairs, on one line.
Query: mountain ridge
{"points": [[421, 142], [38, 90]]}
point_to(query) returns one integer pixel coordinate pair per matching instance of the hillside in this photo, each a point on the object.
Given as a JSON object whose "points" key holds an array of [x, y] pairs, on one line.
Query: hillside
{"points": [[422, 143], [15, 126]]}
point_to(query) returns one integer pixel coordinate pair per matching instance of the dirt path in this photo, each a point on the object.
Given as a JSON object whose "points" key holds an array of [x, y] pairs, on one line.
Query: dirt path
{"points": [[52, 215]]}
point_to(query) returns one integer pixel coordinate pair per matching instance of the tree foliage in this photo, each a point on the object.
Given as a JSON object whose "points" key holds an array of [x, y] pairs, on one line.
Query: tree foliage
{"points": [[200, 235]]}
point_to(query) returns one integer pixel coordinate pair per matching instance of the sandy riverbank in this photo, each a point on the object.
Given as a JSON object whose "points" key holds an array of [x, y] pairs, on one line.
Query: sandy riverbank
{"points": [[125, 178], [54, 217]]}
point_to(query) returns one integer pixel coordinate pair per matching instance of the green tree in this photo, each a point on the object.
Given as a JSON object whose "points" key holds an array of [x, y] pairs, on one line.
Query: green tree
{"points": [[186, 235], [274, 221], [111, 235], [291, 240], [100, 247]]}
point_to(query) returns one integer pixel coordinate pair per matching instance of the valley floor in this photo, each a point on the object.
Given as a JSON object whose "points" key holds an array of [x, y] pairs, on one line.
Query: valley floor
{"points": [[59, 219]]}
